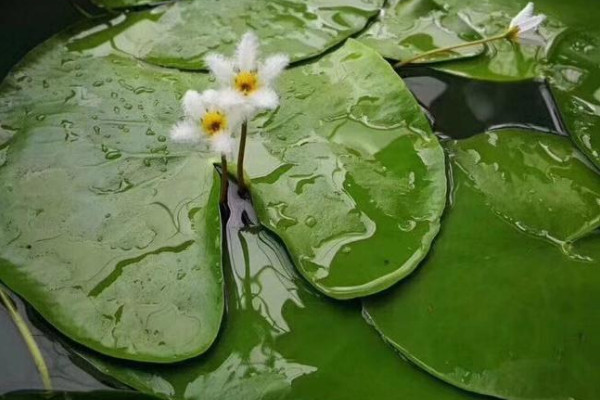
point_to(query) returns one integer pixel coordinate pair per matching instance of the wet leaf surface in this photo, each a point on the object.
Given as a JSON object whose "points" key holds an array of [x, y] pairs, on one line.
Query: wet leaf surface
{"points": [[106, 232], [182, 33], [274, 344], [406, 29], [496, 308], [351, 177]]}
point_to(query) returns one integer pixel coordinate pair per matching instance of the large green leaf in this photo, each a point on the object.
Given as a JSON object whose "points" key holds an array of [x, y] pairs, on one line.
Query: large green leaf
{"points": [[408, 28], [496, 309], [576, 74], [348, 174], [110, 235], [182, 33], [538, 182], [282, 339]]}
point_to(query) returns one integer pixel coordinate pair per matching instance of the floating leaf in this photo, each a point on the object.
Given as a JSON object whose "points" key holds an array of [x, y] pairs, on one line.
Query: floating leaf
{"points": [[496, 310], [107, 232], [180, 34], [537, 182], [576, 74], [350, 175], [406, 29], [274, 344]]}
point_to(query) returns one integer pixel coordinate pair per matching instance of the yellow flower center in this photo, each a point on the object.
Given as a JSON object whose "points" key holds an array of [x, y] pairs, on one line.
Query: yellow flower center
{"points": [[246, 82], [213, 122]]}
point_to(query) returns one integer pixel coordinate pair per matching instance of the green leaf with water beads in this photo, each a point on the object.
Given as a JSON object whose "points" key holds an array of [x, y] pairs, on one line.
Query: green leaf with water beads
{"points": [[350, 175], [275, 344], [576, 75], [537, 182], [496, 308], [111, 234], [180, 34], [406, 29]]}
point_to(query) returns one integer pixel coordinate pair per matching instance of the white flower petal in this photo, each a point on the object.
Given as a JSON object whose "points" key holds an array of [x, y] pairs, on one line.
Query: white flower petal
{"points": [[221, 68], [247, 52], [272, 68], [522, 16], [532, 39], [532, 24], [211, 98], [193, 106], [223, 143], [265, 99], [186, 132], [230, 98]]}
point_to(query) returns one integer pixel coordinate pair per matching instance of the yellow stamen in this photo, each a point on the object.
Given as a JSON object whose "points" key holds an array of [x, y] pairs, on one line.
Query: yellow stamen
{"points": [[214, 122], [246, 82]]}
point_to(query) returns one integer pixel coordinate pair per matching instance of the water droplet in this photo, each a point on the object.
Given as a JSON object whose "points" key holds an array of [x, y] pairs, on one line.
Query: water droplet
{"points": [[162, 138], [310, 222]]}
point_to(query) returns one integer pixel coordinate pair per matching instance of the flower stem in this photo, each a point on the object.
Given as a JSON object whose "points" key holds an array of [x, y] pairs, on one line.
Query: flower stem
{"points": [[36, 354], [240, 162], [224, 179], [457, 46]]}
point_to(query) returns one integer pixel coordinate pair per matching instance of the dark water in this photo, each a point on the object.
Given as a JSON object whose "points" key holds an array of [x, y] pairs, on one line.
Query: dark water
{"points": [[460, 107]]}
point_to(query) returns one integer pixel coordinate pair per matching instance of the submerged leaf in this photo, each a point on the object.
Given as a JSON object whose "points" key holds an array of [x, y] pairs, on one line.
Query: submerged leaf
{"points": [[497, 309]]}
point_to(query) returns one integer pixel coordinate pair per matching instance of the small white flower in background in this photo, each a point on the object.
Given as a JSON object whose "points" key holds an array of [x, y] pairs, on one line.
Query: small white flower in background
{"points": [[524, 25], [211, 116], [247, 76]]}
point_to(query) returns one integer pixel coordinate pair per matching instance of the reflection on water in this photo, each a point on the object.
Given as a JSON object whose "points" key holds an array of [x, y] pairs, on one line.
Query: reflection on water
{"points": [[460, 107]]}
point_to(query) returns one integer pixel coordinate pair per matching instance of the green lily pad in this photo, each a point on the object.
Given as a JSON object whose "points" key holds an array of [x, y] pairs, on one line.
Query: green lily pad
{"points": [[274, 344], [108, 231], [576, 75], [539, 183], [406, 29], [182, 33], [497, 310], [348, 174]]}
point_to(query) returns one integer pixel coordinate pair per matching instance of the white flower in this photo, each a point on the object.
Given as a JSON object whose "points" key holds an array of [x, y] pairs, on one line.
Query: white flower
{"points": [[525, 24], [250, 78], [211, 116]]}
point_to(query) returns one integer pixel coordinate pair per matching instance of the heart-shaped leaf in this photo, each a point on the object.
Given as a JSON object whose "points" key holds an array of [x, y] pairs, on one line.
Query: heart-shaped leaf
{"points": [[274, 344], [180, 34], [349, 175], [109, 235], [406, 29], [494, 309]]}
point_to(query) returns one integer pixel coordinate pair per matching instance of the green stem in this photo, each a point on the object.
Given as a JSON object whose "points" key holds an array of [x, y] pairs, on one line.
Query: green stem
{"points": [[36, 354], [240, 162], [224, 179], [458, 46]]}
